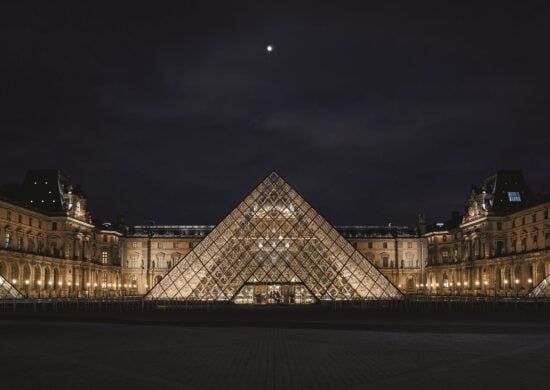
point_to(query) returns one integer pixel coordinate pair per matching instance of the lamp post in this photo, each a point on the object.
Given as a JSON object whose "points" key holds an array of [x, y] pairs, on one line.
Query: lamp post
{"points": [[516, 286], [485, 284]]}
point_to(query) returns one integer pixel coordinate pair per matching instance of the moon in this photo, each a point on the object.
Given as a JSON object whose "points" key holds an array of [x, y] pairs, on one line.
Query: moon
{"points": [[269, 48]]}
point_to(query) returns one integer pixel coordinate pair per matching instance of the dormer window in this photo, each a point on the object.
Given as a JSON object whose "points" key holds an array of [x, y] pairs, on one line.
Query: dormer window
{"points": [[77, 209], [514, 197]]}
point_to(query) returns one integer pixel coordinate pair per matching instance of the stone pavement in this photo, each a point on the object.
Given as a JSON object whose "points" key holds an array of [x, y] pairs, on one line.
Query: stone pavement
{"points": [[88, 355]]}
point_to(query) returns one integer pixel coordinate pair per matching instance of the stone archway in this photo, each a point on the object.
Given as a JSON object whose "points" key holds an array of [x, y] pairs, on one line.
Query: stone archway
{"points": [[37, 278], [47, 278], [26, 274], [541, 272], [56, 279], [498, 278], [517, 277], [15, 273]]}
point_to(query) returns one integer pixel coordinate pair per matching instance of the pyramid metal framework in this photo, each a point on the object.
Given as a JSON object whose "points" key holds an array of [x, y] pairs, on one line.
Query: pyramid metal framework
{"points": [[274, 236], [542, 289], [7, 291]]}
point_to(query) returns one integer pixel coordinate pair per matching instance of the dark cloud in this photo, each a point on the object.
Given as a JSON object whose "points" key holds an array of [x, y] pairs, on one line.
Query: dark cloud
{"points": [[374, 111]]}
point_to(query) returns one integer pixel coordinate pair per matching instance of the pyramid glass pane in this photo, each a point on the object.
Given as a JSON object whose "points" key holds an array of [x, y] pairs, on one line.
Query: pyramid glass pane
{"points": [[274, 248], [7, 290], [542, 289]]}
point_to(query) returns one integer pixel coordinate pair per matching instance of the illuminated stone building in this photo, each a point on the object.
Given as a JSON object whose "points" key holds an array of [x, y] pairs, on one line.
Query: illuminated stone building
{"points": [[49, 246], [501, 246], [150, 251]]}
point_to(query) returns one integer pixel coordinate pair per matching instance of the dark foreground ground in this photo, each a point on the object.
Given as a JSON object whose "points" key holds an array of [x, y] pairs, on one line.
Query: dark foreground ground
{"points": [[274, 348]]}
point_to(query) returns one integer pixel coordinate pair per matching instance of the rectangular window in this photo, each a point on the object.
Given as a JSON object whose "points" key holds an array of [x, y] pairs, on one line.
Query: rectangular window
{"points": [[409, 244], [54, 225], [545, 214], [20, 243], [20, 218], [104, 257], [30, 221], [385, 261], [499, 225], [534, 218], [159, 245], [175, 245], [369, 245], [8, 215], [514, 197], [385, 245], [40, 224], [7, 240], [134, 244]]}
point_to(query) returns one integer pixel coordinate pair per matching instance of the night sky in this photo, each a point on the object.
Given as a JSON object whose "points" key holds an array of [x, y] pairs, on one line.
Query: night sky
{"points": [[373, 111]]}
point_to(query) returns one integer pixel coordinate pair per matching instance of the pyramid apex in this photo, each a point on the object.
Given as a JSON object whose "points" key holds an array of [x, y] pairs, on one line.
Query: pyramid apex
{"points": [[274, 176]]}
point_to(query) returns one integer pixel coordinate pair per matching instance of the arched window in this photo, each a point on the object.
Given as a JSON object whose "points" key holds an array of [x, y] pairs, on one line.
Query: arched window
{"points": [[14, 272], [56, 279], [26, 274], [47, 278], [498, 279], [37, 278], [517, 276]]}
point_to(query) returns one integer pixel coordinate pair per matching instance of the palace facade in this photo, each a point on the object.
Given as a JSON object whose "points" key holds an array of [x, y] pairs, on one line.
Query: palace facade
{"points": [[51, 246], [500, 246]]}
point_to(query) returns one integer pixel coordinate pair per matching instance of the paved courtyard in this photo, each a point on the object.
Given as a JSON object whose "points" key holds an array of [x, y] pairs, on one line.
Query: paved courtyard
{"points": [[90, 355]]}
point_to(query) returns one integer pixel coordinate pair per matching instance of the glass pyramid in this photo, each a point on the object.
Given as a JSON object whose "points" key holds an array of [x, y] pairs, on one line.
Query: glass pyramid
{"points": [[274, 247], [7, 291], [542, 289]]}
